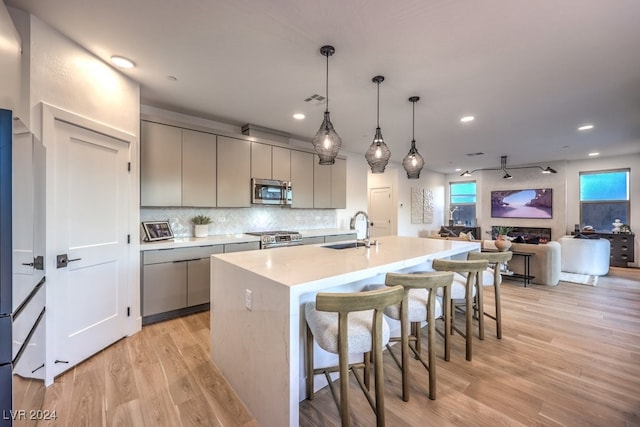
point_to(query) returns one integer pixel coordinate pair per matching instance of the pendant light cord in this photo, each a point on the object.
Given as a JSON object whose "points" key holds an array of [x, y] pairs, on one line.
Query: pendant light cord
{"points": [[378, 117], [413, 132], [327, 86]]}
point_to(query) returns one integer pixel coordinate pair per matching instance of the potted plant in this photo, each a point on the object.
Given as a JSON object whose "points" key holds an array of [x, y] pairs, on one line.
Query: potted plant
{"points": [[502, 241], [201, 225]]}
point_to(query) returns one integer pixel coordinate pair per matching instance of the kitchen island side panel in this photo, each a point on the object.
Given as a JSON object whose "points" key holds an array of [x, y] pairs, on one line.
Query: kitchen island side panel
{"points": [[252, 348]]}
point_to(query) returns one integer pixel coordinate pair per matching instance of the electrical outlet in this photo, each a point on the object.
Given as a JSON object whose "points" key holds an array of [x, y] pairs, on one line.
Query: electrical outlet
{"points": [[248, 299]]}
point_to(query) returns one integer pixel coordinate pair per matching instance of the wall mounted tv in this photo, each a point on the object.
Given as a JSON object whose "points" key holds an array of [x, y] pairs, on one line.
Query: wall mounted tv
{"points": [[529, 203]]}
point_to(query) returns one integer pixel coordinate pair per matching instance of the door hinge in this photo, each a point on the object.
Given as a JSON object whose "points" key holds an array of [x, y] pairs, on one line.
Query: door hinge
{"points": [[128, 238], [128, 311], [129, 167]]}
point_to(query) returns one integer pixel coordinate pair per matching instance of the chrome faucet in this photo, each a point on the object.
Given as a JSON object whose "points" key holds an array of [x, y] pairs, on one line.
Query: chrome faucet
{"points": [[352, 226]]}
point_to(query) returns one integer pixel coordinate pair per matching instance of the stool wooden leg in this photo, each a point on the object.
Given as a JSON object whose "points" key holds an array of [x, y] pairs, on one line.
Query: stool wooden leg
{"points": [[343, 357], [446, 312], [309, 364], [480, 310], [469, 323], [498, 311], [431, 328]]}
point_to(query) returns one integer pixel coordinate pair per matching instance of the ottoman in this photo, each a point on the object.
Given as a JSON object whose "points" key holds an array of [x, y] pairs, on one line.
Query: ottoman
{"points": [[585, 256]]}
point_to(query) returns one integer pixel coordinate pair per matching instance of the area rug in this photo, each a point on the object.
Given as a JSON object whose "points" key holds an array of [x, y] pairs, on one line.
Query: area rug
{"points": [[583, 279]]}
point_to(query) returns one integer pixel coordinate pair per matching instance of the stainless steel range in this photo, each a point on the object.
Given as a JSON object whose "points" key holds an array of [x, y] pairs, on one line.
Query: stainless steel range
{"points": [[276, 239]]}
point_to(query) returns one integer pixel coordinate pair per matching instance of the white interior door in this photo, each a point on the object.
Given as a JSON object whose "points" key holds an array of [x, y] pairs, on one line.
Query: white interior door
{"points": [[91, 212], [381, 212]]}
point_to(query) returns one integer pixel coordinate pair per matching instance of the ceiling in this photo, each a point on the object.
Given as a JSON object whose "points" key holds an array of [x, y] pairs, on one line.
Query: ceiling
{"points": [[531, 72]]}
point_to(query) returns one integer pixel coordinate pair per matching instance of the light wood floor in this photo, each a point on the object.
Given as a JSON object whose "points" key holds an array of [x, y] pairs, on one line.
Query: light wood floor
{"points": [[570, 355]]}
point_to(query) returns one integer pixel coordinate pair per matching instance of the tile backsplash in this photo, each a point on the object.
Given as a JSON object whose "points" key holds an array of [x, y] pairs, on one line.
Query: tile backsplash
{"points": [[240, 220]]}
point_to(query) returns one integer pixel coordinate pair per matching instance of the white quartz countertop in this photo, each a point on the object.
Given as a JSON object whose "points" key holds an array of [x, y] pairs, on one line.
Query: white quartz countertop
{"points": [[293, 266], [187, 242]]}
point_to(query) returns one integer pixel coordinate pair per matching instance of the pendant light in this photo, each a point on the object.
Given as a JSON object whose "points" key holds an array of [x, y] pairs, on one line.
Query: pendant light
{"points": [[413, 162], [378, 154], [327, 142]]}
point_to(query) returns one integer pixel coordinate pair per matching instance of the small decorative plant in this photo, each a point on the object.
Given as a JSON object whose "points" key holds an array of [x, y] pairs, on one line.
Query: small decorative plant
{"points": [[503, 230], [201, 220]]}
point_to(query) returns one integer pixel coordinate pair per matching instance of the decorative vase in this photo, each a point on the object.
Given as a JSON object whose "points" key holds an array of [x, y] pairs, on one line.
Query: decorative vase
{"points": [[201, 230], [503, 243]]}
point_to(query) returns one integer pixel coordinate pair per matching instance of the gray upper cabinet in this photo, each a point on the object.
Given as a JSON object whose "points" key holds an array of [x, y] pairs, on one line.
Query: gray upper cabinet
{"points": [[260, 160], [234, 172], [321, 184], [198, 169], [178, 167], [161, 165], [270, 162], [339, 184], [281, 163], [302, 179]]}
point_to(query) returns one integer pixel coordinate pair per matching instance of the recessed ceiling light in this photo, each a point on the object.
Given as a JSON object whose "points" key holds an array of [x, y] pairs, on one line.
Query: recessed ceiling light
{"points": [[122, 62], [585, 127], [595, 153], [298, 116], [458, 169], [467, 119]]}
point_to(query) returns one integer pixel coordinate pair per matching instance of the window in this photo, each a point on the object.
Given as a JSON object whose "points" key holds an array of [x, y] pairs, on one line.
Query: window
{"points": [[462, 203], [604, 197]]}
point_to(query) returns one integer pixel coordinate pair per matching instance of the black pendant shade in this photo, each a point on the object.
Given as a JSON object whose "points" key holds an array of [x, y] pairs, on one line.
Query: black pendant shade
{"points": [[378, 154], [413, 161], [327, 142]]}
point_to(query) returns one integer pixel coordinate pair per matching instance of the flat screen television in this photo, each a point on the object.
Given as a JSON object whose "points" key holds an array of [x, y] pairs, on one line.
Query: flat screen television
{"points": [[528, 203]]}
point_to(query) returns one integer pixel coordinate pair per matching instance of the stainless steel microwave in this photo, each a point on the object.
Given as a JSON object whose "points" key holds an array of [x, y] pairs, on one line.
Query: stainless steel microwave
{"points": [[270, 192]]}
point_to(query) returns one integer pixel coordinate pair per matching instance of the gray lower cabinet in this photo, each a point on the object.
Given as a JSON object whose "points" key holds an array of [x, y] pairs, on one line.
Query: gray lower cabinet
{"points": [[311, 240], [340, 237], [239, 247], [175, 281]]}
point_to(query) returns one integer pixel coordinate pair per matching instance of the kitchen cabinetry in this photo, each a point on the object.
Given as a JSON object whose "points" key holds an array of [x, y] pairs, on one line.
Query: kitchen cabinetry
{"points": [[622, 248], [178, 166], [175, 281], [160, 165], [302, 179], [281, 163], [310, 240], [234, 172], [270, 162], [198, 169], [339, 184], [330, 184]]}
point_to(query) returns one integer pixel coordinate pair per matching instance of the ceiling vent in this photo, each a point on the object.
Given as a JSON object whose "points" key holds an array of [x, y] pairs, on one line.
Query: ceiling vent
{"points": [[315, 99], [475, 154], [265, 133]]}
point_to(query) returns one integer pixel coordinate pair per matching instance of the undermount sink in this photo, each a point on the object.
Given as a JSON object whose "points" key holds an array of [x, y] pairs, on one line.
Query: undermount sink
{"points": [[345, 245]]}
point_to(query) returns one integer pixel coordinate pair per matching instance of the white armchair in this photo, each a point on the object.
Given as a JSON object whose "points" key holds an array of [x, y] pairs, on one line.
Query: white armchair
{"points": [[585, 256]]}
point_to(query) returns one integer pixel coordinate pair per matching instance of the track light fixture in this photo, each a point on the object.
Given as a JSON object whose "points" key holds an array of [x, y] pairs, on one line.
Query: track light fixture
{"points": [[503, 167]]}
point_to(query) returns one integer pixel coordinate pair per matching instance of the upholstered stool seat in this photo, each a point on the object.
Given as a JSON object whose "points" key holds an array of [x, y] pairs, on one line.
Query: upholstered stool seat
{"points": [[348, 323], [324, 326]]}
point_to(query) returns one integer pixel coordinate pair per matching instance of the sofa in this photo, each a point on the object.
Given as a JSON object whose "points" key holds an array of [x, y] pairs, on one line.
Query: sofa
{"points": [[545, 264]]}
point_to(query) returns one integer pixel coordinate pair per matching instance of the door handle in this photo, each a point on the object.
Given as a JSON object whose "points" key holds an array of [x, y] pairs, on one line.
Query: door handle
{"points": [[63, 260]]}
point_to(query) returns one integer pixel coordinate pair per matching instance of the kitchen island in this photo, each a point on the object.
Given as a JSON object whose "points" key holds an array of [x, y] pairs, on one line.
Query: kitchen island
{"points": [[257, 321]]}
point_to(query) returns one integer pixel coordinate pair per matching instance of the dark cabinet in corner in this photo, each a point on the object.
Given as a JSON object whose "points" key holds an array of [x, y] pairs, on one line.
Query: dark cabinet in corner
{"points": [[622, 248]]}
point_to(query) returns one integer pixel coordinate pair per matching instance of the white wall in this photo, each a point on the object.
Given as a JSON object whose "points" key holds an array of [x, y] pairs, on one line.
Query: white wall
{"points": [[429, 180], [9, 63], [62, 74]]}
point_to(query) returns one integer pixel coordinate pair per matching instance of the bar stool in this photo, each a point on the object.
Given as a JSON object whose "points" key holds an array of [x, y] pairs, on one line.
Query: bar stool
{"points": [[495, 259], [464, 293], [348, 323], [422, 306]]}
